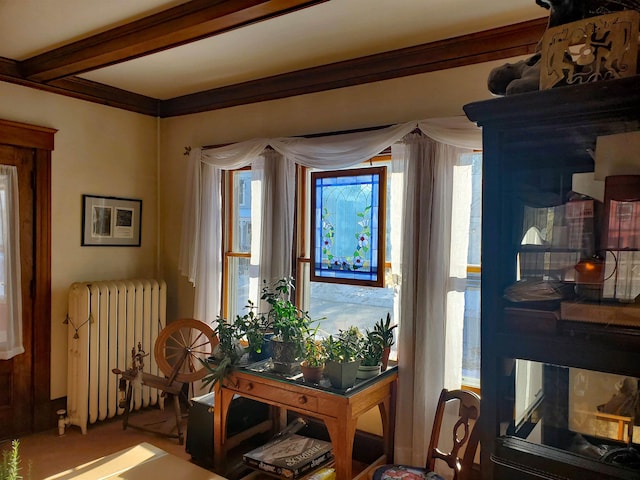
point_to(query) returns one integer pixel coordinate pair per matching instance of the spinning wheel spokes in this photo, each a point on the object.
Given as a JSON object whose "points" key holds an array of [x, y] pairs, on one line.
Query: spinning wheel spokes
{"points": [[179, 346]]}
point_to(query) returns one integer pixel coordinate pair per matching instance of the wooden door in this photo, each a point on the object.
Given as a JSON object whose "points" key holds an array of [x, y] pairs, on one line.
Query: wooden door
{"points": [[25, 382], [16, 378]]}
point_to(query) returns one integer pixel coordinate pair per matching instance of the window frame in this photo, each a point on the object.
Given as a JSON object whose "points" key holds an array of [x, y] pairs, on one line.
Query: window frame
{"points": [[228, 253], [3, 206], [301, 241], [382, 220]]}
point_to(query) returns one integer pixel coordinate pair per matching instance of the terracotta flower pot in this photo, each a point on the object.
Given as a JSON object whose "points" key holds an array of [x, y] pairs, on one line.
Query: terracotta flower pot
{"points": [[385, 358], [311, 374]]}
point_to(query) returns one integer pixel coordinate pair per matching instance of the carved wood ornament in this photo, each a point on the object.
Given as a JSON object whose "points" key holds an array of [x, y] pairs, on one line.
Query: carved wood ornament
{"points": [[598, 48]]}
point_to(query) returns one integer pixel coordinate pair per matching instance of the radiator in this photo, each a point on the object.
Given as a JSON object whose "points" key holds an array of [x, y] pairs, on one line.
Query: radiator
{"points": [[106, 319]]}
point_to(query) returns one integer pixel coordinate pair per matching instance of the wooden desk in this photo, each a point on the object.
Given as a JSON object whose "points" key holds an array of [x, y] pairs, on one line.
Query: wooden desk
{"points": [[339, 410]]}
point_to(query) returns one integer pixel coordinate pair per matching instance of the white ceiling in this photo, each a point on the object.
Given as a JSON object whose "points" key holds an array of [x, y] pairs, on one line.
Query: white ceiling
{"points": [[325, 33]]}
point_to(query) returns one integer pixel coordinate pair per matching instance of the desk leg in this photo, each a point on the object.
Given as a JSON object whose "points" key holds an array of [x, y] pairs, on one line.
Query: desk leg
{"points": [[388, 428], [342, 432], [223, 399], [280, 418]]}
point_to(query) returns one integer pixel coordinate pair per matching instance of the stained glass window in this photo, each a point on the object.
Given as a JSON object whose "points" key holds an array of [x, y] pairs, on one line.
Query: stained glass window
{"points": [[348, 237]]}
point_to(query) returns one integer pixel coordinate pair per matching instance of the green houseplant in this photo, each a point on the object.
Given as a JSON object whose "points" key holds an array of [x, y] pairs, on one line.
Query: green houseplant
{"points": [[314, 356], [290, 324], [10, 464], [385, 330], [258, 331], [343, 357], [226, 353], [371, 349]]}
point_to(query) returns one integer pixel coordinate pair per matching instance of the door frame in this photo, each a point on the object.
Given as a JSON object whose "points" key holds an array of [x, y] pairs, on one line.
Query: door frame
{"points": [[42, 141]]}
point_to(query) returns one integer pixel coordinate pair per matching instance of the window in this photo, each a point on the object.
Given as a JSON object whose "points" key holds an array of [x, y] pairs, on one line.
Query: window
{"points": [[4, 317], [244, 231], [244, 199], [11, 298], [3, 235], [340, 304], [237, 241], [347, 210], [471, 333]]}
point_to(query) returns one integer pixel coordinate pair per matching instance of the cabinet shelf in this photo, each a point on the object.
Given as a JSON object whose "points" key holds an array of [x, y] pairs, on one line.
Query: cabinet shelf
{"points": [[529, 460], [587, 352], [547, 248]]}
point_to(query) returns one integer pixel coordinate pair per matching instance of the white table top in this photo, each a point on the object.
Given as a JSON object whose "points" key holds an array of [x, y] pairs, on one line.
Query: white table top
{"points": [[141, 462]]}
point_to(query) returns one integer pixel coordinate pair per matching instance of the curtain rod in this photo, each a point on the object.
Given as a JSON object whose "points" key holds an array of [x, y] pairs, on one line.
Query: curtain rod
{"points": [[310, 135]]}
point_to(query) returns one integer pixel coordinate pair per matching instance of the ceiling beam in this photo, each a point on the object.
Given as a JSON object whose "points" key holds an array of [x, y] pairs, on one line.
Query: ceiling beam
{"points": [[106, 95], [84, 89], [176, 26], [485, 46]]}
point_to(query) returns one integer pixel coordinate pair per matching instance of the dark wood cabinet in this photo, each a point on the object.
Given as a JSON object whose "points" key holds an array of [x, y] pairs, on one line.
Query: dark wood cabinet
{"points": [[547, 358]]}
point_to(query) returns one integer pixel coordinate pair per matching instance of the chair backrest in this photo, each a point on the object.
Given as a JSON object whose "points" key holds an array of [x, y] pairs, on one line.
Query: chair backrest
{"points": [[464, 433]]}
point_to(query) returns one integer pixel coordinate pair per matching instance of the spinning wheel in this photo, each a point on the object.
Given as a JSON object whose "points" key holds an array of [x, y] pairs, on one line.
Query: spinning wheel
{"points": [[179, 347], [177, 351]]}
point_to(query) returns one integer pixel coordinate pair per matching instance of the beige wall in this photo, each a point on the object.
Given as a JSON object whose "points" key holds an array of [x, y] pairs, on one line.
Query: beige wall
{"points": [[98, 150]]}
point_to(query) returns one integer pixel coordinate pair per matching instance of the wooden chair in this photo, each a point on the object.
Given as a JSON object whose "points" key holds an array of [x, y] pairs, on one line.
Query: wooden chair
{"points": [[464, 434]]}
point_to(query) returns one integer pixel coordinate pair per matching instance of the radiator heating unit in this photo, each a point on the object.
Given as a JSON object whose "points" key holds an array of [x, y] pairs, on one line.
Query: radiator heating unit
{"points": [[106, 320]]}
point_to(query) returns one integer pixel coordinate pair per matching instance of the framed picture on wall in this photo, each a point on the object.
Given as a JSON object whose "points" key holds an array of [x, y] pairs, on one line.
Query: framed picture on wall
{"points": [[111, 221]]}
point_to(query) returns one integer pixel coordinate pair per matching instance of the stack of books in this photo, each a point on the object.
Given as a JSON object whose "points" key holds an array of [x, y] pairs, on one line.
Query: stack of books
{"points": [[290, 456]]}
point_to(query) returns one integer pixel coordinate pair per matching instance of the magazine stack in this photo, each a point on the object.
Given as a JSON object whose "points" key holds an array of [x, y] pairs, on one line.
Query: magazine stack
{"points": [[290, 456]]}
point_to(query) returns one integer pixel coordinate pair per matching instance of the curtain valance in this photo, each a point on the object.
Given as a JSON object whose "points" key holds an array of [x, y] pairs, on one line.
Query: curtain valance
{"points": [[343, 150]]}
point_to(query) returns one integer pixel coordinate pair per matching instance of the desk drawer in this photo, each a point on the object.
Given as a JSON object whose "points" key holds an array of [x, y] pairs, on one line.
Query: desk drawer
{"points": [[277, 395]]}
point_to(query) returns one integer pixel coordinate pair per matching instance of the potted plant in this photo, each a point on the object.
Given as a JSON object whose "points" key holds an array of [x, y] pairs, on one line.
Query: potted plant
{"points": [[371, 352], [385, 330], [314, 356], [290, 325], [10, 464], [226, 353], [343, 357], [258, 332]]}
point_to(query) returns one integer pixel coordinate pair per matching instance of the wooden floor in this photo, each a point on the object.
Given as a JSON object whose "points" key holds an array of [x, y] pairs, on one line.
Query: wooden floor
{"points": [[49, 456], [46, 455]]}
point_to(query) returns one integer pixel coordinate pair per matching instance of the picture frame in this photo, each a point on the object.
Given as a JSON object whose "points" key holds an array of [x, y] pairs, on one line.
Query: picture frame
{"points": [[111, 221]]}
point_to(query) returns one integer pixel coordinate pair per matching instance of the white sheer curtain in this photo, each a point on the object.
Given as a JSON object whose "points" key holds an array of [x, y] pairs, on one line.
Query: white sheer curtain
{"points": [[431, 278], [277, 216], [10, 281], [201, 242]]}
